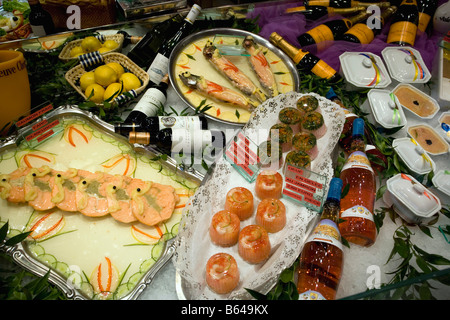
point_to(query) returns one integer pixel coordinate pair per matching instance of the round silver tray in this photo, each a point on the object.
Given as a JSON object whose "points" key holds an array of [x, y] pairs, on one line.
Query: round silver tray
{"points": [[226, 31]]}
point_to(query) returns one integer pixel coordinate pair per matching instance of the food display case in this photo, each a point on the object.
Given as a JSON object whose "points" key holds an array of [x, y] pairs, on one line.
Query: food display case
{"points": [[166, 260]]}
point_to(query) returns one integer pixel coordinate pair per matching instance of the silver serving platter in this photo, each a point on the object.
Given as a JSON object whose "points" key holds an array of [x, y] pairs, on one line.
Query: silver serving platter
{"points": [[232, 32], [19, 252]]}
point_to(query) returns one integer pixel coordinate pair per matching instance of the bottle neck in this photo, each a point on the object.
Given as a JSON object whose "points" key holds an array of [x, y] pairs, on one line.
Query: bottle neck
{"points": [[408, 2], [358, 143], [359, 17], [344, 11], [293, 52], [331, 210]]}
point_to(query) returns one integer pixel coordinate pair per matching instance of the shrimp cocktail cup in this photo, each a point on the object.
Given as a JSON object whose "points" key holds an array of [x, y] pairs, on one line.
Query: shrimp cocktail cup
{"points": [[14, 87]]}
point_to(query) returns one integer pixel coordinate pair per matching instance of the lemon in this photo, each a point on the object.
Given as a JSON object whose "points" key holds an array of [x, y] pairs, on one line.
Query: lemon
{"points": [[130, 81], [112, 91], [87, 79], [90, 44], [103, 50], [76, 51], [96, 91], [117, 68], [105, 75], [110, 44]]}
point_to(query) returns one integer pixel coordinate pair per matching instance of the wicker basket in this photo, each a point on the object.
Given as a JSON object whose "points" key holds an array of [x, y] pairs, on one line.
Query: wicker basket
{"points": [[65, 52], [73, 75]]}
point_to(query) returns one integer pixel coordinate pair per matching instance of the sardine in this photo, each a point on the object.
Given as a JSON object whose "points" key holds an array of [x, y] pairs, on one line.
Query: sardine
{"points": [[237, 78], [216, 91], [260, 65]]}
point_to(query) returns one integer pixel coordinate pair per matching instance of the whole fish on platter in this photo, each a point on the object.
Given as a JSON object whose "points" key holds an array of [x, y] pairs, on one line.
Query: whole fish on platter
{"points": [[232, 73], [216, 91], [260, 66], [94, 194]]}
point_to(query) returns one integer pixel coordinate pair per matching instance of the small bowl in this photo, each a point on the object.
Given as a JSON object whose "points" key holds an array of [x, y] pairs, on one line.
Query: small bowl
{"points": [[441, 181], [410, 199], [410, 98], [445, 134], [383, 109], [415, 158]]}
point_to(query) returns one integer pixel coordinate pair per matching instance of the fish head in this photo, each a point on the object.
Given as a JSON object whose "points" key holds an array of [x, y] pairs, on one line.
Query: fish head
{"points": [[249, 42], [209, 49], [189, 79]]}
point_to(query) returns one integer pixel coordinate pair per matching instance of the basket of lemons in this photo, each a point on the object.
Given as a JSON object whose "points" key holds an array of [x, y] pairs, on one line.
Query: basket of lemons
{"points": [[101, 43], [112, 77]]}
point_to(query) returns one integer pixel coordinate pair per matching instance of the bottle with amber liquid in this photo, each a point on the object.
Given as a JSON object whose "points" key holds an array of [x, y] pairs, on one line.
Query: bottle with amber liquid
{"points": [[323, 34], [426, 8], [321, 260], [305, 60], [365, 32], [316, 12], [404, 24], [357, 224]]}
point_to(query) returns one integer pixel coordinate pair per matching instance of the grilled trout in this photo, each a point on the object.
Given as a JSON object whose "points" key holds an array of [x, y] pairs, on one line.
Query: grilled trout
{"points": [[232, 73], [260, 66], [216, 91]]}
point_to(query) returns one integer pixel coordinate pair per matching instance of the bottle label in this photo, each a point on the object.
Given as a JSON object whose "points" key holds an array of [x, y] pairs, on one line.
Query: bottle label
{"points": [[38, 31], [424, 19], [323, 70], [322, 35], [362, 32], [323, 3], [357, 212], [188, 123], [358, 159], [328, 232], [150, 102], [311, 295], [402, 31], [158, 69]]}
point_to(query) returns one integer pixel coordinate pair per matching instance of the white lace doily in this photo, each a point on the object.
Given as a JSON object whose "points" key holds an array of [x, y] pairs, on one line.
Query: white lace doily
{"points": [[194, 246]]}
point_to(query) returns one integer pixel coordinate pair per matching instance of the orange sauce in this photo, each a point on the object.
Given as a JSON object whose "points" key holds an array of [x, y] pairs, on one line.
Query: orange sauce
{"points": [[414, 101], [428, 139]]}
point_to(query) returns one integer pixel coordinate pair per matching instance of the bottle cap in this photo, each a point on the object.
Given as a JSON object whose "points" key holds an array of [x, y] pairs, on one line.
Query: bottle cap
{"points": [[335, 189], [139, 137], [331, 94], [358, 127]]}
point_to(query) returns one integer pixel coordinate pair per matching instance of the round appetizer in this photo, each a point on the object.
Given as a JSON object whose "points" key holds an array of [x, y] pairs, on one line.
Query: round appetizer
{"points": [[289, 116], [299, 159], [281, 134], [313, 122], [307, 104], [270, 153], [306, 141], [222, 273], [224, 228], [239, 201], [271, 215], [269, 184], [254, 244]]}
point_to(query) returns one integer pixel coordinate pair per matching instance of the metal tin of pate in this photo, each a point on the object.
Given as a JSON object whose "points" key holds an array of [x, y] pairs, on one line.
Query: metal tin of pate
{"points": [[410, 199]]}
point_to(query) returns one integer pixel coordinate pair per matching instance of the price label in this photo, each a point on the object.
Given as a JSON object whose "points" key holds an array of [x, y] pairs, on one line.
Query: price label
{"points": [[242, 154], [304, 186]]}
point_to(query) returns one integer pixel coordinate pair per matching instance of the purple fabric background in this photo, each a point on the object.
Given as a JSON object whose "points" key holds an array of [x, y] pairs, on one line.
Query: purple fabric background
{"points": [[290, 26]]}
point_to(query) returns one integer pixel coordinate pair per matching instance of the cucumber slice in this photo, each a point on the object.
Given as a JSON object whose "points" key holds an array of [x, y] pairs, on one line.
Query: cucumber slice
{"points": [[122, 290], [87, 289], [174, 230], [48, 259], [135, 278], [157, 250], [146, 265], [36, 249], [62, 268], [75, 279]]}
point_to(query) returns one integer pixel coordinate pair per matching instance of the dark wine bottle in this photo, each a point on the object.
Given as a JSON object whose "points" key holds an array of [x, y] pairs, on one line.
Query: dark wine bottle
{"points": [[160, 65], [145, 50], [41, 21], [325, 33], [404, 24], [305, 60], [176, 141], [365, 32], [345, 3], [127, 39], [157, 123], [427, 8], [148, 105], [316, 12]]}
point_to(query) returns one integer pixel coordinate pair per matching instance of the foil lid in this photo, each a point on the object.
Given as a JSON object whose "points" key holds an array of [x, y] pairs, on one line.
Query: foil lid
{"points": [[441, 181], [414, 156], [364, 69], [406, 65], [413, 195], [386, 108]]}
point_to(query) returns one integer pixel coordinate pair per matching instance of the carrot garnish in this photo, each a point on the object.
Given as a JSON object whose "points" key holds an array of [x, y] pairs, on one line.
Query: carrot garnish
{"points": [[99, 277], [146, 234], [218, 112], [44, 44], [25, 159], [41, 220], [284, 83], [197, 47], [184, 67], [180, 206], [275, 62], [261, 59], [79, 132], [119, 160], [230, 66]]}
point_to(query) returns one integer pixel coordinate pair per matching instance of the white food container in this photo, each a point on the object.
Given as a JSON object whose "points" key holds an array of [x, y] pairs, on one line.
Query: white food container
{"points": [[421, 94], [406, 65], [387, 112], [364, 70], [410, 199], [441, 181], [415, 158], [440, 129]]}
